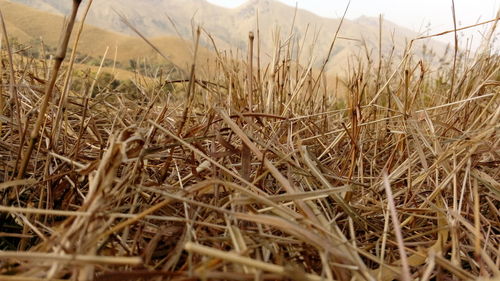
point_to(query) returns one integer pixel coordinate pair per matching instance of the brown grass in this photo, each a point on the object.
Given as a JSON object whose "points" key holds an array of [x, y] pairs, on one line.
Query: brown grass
{"points": [[283, 183]]}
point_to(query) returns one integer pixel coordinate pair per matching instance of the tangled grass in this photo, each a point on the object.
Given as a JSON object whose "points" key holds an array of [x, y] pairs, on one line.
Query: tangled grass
{"points": [[254, 175]]}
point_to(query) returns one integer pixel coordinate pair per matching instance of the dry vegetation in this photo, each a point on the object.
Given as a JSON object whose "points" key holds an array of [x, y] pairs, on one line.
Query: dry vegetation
{"points": [[253, 174]]}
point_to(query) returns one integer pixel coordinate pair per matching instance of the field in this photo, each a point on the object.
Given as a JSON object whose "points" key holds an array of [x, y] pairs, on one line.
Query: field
{"points": [[236, 172]]}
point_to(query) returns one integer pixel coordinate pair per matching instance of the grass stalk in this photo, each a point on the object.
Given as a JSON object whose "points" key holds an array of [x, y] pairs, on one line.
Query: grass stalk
{"points": [[58, 60]]}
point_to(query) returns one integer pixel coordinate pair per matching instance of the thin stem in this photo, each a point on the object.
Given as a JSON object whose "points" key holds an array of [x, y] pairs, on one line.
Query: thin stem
{"points": [[58, 60]]}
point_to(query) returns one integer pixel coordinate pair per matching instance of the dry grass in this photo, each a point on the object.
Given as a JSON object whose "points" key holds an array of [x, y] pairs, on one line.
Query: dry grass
{"points": [[283, 183]]}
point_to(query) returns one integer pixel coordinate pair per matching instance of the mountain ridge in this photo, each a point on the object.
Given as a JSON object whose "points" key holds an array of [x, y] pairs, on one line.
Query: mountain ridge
{"points": [[27, 24], [229, 27]]}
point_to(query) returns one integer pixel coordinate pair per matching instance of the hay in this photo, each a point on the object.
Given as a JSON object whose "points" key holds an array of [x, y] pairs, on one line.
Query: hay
{"points": [[280, 183]]}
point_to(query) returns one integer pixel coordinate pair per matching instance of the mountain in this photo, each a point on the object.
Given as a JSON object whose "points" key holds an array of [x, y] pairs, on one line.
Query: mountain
{"points": [[29, 26], [230, 27]]}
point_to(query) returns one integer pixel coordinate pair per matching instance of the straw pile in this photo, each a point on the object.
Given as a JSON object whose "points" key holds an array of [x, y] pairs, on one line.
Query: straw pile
{"points": [[253, 174]]}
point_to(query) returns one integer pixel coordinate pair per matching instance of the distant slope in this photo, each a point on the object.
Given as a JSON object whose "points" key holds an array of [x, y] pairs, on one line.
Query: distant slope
{"points": [[230, 27], [28, 24]]}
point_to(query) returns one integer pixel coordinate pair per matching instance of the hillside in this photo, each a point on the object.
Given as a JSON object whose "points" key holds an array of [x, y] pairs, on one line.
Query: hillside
{"points": [[28, 25], [154, 19]]}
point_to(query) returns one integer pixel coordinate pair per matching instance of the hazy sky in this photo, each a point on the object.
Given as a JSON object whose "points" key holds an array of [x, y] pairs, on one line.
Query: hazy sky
{"points": [[414, 14]]}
